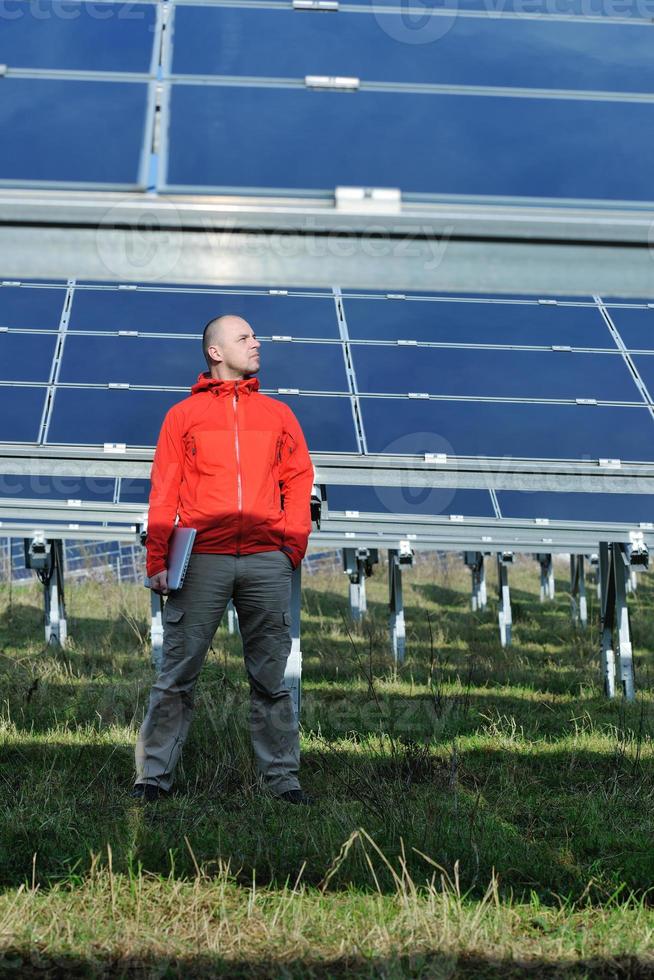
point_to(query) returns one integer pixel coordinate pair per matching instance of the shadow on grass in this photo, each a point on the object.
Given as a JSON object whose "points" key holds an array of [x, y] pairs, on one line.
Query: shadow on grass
{"points": [[544, 820], [32, 963]]}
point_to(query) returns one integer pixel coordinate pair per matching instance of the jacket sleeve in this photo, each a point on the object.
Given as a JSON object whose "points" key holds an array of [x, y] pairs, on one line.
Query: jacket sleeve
{"points": [[297, 477], [165, 480]]}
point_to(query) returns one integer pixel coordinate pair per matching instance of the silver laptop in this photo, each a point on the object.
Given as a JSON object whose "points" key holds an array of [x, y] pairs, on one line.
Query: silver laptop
{"points": [[180, 546]]}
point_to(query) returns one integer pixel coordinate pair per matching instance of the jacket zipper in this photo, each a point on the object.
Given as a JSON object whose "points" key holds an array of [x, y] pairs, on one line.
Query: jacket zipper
{"points": [[238, 471]]}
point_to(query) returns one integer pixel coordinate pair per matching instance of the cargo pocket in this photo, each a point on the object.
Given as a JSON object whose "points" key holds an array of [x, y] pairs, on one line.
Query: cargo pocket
{"points": [[172, 614], [286, 616], [174, 645]]}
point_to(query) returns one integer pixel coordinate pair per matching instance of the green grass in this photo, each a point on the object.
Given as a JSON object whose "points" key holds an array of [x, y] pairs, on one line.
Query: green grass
{"points": [[482, 811]]}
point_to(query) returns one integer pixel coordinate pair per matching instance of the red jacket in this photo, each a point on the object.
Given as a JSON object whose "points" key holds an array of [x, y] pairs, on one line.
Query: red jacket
{"points": [[233, 464]]}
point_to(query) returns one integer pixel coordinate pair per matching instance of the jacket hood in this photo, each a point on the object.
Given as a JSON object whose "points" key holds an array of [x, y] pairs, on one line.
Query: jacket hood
{"points": [[217, 386]]}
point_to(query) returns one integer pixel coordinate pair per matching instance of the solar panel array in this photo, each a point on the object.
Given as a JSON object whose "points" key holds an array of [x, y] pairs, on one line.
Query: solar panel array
{"points": [[476, 102], [88, 364], [532, 102]]}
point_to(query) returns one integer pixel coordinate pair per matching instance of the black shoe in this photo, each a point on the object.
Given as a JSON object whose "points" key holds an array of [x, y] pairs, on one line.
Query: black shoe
{"points": [[296, 796], [148, 793]]}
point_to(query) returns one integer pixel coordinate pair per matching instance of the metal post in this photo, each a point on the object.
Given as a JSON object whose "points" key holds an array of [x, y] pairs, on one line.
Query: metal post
{"points": [[232, 618], [357, 564], [578, 591], [156, 629], [625, 650], [293, 672], [396, 559], [595, 574], [504, 615], [607, 613], [55, 610], [546, 577], [475, 562]]}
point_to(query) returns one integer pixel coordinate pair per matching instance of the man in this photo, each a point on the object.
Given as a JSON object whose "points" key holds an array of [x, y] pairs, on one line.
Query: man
{"points": [[234, 464]]}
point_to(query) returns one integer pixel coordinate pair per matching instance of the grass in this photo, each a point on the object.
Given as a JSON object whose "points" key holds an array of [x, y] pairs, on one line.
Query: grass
{"points": [[483, 811]]}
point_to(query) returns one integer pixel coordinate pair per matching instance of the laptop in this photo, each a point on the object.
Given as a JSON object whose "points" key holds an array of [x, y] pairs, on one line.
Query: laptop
{"points": [[180, 546]]}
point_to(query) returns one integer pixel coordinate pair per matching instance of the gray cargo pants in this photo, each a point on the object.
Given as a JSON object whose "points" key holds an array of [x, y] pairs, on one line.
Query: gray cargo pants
{"points": [[260, 585]]}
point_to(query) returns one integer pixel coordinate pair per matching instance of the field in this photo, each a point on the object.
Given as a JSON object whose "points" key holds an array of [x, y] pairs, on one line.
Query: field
{"points": [[482, 812]]}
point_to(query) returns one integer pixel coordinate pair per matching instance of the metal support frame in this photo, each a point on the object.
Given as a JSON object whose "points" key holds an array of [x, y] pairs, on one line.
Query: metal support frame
{"points": [[546, 576], [357, 564], [46, 558], [615, 616], [538, 247], [397, 559], [504, 559], [293, 672], [578, 591], [475, 562]]}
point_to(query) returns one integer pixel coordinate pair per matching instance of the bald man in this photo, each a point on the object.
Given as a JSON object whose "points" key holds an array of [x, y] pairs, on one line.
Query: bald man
{"points": [[233, 464]]}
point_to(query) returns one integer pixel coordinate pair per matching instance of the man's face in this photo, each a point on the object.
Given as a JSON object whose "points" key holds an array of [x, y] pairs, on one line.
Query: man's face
{"points": [[237, 348]]}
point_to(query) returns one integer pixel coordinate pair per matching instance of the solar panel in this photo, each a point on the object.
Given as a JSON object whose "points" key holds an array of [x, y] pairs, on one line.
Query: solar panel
{"points": [[529, 431], [421, 144], [410, 501], [167, 362], [26, 356], [217, 40], [636, 326], [93, 416], [605, 508], [35, 308], [78, 36], [21, 409], [491, 322], [448, 10], [151, 311], [58, 130], [493, 373], [36, 487], [134, 491]]}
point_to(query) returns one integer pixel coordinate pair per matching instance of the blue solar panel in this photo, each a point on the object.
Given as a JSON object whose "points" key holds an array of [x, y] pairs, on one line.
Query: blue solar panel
{"points": [[412, 501], [177, 363], [90, 37], [502, 373], [627, 508], [38, 309], [134, 491], [131, 360], [188, 312], [419, 29], [419, 143], [37, 487], [56, 130], [494, 429], [93, 416], [20, 413], [327, 422], [507, 52], [635, 326], [476, 323], [26, 356]]}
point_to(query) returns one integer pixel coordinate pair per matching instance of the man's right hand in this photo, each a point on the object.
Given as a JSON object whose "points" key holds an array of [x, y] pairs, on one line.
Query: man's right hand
{"points": [[159, 583]]}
